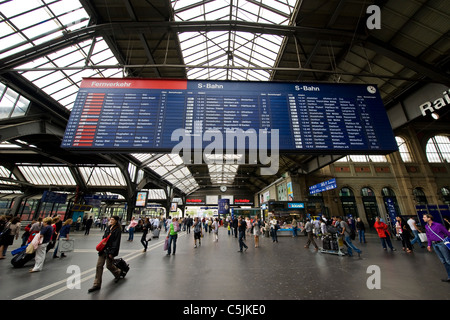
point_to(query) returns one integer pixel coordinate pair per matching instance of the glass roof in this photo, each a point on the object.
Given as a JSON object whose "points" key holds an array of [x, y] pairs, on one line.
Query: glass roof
{"points": [[103, 176], [41, 21], [59, 74], [47, 175], [60, 175], [171, 168], [12, 104], [5, 173], [226, 51]]}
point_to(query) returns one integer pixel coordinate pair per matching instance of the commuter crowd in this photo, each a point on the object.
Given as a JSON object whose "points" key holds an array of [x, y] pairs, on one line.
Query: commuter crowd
{"points": [[42, 235]]}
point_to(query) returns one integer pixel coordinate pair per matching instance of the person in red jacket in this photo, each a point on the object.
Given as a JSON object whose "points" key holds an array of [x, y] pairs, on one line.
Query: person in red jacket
{"points": [[383, 233]]}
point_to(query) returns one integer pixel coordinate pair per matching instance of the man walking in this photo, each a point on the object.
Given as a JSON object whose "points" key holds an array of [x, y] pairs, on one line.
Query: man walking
{"points": [[309, 232], [113, 233], [412, 224], [436, 234], [242, 226], [345, 232]]}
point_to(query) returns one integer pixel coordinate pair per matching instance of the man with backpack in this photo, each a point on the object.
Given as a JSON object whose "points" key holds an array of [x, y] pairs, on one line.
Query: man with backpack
{"points": [[346, 232]]}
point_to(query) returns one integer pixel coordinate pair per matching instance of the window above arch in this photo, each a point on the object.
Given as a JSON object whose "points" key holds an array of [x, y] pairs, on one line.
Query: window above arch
{"points": [[438, 149], [346, 192], [367, 192], [363, 158], [403, 149], [445, 191], [387, 192]]}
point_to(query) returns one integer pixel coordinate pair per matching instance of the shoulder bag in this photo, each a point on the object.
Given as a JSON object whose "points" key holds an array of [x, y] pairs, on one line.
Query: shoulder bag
{"points": [[5, 232], [101, 246], [446, 240]]}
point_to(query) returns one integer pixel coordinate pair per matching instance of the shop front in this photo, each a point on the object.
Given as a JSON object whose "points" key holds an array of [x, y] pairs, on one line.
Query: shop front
{"points": [[284, 212]]}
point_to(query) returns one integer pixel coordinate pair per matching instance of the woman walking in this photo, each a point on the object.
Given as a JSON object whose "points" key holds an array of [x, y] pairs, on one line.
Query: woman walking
{"points": [[12, 232], [145, 230], [256, 231], [131, 228], [404, 232], [46, 235], [215, 225], [63, 234], [197, 231]]}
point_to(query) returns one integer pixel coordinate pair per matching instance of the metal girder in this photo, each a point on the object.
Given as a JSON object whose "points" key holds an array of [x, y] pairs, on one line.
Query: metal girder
{"points": [[406, 60], [133, 27], [40, 50], [318, 44], [15, 131], [141, 37]]}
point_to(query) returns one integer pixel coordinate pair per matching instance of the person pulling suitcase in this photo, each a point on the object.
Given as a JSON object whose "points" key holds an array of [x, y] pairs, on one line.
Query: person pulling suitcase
{"points": [[113, 234]]}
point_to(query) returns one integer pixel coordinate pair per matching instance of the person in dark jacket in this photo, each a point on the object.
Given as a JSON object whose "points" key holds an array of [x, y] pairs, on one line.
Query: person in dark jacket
{"points": [[361, 228], [107, 255], [235, 226]]}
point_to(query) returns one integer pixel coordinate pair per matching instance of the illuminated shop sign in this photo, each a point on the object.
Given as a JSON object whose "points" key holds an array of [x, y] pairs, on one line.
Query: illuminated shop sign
{"points": [[296, 205]]}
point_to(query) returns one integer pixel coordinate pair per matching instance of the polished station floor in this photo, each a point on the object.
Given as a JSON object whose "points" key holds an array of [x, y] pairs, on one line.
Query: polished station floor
{"points": [[284, 270]]}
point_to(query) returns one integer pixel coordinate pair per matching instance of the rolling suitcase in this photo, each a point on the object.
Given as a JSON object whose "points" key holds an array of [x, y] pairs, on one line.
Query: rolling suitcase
{"points": [[20, 259], [326, 243], [156, 233], [122, 265]]}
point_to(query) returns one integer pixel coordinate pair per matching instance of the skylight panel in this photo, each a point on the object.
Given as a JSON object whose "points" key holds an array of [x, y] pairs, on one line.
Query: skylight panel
{"points": [[219, 48], [5, 173], [142, 157], [48, 175], [103, 176], [41, 21]]}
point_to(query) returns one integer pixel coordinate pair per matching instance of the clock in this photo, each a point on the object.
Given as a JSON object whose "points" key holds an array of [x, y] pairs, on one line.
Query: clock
{"points": [[371, 89], [223, 188]]}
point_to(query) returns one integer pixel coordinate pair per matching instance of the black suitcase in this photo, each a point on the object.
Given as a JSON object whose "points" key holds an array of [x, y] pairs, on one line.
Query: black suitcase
{"points": [[334, 244], [326, 243], [122, 265], [20, 259]]}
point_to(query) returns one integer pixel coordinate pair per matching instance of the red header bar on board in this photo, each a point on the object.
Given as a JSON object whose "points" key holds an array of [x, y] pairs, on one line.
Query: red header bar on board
{"points": [[103, 83]]}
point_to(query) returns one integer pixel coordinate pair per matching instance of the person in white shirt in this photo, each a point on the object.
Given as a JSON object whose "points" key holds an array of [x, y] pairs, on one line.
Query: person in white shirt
{"points": [[155, 223], [215, 226], [274, 229], [412, 224], [323, 227]]}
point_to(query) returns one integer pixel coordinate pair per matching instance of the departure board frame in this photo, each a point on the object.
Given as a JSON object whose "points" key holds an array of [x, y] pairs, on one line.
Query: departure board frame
{"points": [[141, 115]]}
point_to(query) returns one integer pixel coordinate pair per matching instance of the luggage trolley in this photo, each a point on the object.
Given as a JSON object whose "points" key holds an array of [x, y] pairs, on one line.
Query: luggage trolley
{"points": [[332, 244]]}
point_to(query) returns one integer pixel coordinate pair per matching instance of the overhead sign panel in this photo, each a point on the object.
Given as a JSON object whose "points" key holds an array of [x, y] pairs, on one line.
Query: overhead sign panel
{"points": [[113, 115], [323, 186]]}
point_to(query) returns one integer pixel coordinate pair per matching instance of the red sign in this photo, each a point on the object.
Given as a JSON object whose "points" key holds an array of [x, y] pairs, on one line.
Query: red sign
{"points": [[194, 200], [111, 83], [246, 201]]}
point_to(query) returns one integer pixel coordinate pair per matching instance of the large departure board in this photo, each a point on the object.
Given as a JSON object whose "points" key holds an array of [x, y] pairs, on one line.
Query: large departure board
{"points": [[135, 115]]}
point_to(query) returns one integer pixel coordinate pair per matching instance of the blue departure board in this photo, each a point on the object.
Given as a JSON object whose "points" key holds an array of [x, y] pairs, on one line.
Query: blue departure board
{"points": [[141, 115], [323, 186]]}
